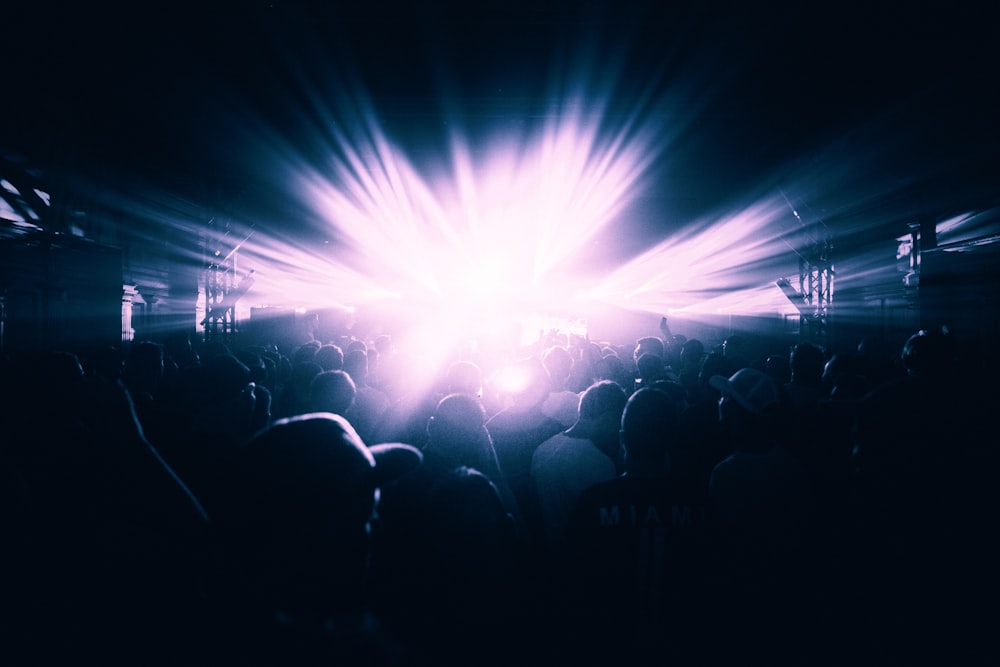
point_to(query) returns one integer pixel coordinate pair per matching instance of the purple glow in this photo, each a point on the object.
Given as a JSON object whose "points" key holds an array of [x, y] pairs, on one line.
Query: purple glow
{"points": [[725, 266]]}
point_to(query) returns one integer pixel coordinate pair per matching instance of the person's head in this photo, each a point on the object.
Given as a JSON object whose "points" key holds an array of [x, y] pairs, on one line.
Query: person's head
{"points": [[330, 357], [692, 353], [648, 345], [464, 377], [927, 354], [457, 417], [558, 364], [373, 360], [649, 420], [750, 407], [650, 368], [600, 412], [456, 432], [468, 513], [383, 344], [356, 365], [332, 391], [673, 389], [300, 498], [305, 352], [844, 375], [611, 367], [806, 361]]}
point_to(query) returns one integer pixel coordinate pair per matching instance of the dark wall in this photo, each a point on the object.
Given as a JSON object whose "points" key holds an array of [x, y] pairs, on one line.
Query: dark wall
{"points": [[961, 290], [60, 293]]}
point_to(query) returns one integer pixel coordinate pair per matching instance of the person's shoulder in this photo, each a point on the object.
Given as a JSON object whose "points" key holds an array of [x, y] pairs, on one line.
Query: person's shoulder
{"points": [[516, 417], [552, 448]]}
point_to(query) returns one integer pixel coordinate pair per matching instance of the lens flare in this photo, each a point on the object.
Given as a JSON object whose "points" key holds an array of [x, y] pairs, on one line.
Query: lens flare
{"points": [[715, 266]]}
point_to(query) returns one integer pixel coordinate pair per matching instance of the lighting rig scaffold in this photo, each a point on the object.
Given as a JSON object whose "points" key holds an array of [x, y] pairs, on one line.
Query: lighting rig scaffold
{"points": [[813, 296], [223, 288]]}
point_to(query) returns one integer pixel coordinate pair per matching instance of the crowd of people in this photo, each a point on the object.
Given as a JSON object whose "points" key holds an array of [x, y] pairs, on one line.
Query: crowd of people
{"points": [[350, 502]]}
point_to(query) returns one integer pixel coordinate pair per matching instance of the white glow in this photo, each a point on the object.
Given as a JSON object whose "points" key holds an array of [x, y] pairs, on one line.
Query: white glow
{"points": [[487, 232]]}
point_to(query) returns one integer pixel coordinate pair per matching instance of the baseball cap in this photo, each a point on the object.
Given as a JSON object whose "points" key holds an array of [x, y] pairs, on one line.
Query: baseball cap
{"points": [[317, 458], [754, 391]]}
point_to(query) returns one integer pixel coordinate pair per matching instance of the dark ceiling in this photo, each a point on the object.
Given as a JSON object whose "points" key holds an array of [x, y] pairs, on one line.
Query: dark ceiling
{"points": [[153, 90]]}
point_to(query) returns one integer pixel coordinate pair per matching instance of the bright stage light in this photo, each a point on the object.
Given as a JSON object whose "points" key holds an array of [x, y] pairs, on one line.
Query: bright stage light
{"points": [[471, 241], [484, 233]]}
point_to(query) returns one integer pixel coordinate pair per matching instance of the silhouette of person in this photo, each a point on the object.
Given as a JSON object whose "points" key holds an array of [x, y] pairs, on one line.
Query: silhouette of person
{"points": [[585, 454], [296, 522], [637, 539]]}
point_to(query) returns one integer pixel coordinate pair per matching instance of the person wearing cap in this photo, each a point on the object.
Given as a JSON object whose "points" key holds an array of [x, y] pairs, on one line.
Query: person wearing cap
{"points": [[759, 487], [295, 523], [761, 506], [647, 345], [751, 485], [586, 453]]}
